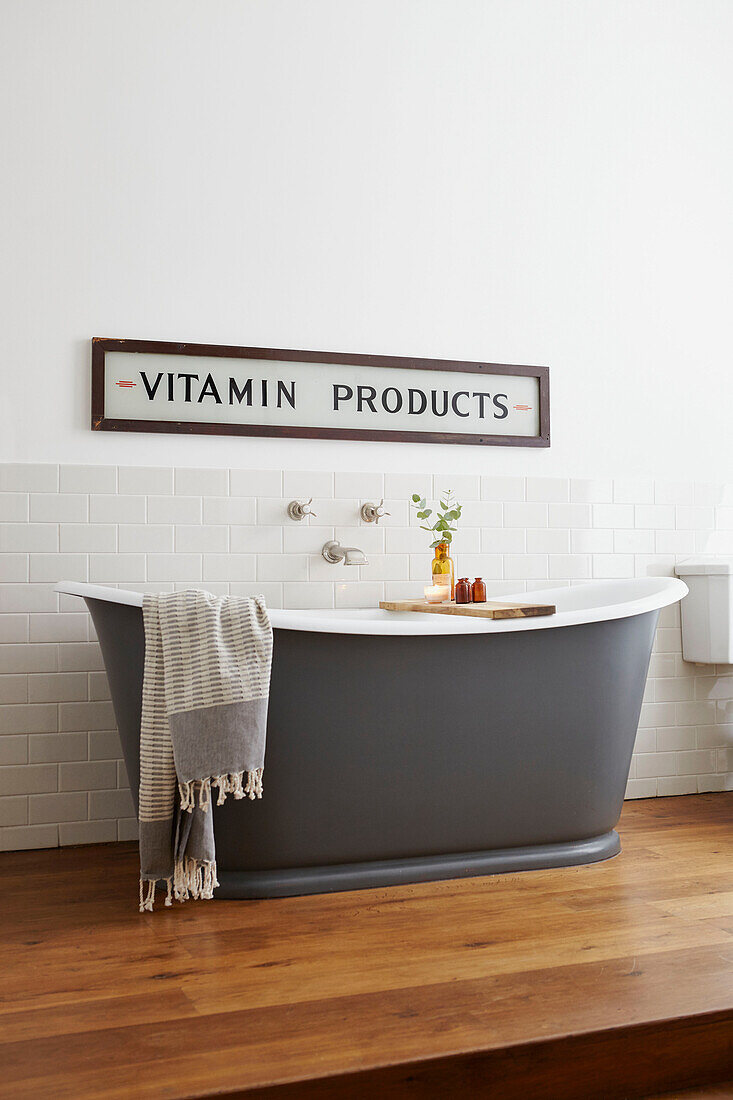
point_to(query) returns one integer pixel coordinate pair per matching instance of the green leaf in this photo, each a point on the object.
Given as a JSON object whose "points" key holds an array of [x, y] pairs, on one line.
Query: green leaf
{"points": [[441, 528]]}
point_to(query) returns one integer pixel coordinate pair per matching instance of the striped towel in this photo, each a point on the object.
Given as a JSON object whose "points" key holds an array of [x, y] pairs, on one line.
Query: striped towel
{"points": [[206, 683]]}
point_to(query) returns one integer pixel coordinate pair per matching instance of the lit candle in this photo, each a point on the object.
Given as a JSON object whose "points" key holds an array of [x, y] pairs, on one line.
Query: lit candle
{"points": [[437, 593]]}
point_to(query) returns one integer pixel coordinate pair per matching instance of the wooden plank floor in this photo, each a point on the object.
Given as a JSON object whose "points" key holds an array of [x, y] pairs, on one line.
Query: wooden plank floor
{"points": [[608, 980]]}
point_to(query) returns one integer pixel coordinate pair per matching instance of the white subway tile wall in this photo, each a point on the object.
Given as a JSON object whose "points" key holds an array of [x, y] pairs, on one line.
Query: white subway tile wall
{"points": [[62, 780]]}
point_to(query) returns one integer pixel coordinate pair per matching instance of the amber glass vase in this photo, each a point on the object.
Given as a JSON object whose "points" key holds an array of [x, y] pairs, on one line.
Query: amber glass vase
{"points": [[443, 569]]}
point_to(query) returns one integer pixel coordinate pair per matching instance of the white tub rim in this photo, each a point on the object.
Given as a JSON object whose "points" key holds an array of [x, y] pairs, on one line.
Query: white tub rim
{"points": [[586, 602]]}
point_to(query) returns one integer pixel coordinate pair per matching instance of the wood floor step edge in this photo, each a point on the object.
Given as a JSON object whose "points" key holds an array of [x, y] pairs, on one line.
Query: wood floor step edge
{"points": [[722, 1091], [629, 1062]]}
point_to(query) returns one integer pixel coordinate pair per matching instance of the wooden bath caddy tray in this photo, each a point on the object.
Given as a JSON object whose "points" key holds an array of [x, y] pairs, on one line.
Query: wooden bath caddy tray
{"points": [[488, 610]]}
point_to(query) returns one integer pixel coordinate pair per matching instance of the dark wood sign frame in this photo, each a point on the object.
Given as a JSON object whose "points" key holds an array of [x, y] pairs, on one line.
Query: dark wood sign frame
{"points": [[101, 345]]}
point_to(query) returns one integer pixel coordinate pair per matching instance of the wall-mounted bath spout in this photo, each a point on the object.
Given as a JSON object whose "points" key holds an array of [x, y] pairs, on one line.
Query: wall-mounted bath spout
{"points": [[334, 552]]}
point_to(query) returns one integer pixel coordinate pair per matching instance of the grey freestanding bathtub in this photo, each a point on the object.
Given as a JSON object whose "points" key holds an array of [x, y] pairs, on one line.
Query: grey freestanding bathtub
{"points": [[408, 747]]}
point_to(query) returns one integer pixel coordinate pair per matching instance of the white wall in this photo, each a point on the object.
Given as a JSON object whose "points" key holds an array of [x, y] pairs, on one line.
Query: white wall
{"points": [[522, 181]]}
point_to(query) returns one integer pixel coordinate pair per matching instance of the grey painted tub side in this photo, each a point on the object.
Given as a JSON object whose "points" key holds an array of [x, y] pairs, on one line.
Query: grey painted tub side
{"points": [[406, 758]]}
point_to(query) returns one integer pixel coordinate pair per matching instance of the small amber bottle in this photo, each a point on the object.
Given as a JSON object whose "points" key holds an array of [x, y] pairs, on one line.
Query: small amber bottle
{"points": [[463, 591], [478, 591], [443, 570]]}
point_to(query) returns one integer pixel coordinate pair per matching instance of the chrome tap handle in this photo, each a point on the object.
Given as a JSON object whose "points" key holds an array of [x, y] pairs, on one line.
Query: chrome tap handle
{"points": [[372, 513], [381, 511], [298, 510]]}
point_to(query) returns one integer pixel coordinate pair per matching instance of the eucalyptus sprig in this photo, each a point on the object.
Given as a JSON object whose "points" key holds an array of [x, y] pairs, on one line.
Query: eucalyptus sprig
{"points": [[441, 528]]}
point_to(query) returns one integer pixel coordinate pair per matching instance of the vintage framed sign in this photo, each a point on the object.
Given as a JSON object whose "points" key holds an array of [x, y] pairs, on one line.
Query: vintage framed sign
{"points": [[154, 386]]}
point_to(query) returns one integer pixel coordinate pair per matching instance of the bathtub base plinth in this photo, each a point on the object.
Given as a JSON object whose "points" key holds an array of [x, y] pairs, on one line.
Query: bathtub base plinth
{"points": [[292, 882]]}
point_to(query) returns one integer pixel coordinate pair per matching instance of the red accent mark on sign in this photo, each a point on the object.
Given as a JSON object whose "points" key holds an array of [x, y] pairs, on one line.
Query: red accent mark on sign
{"points": [[523, 408], [125, 383]]}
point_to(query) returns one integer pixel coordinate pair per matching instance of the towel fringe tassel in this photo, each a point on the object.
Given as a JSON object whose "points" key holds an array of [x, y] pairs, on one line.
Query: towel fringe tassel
{"points": [[194, 879], [187, 793], [147, 899], [205, 795], [222, 782], [232, 783], [254, 784]]}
